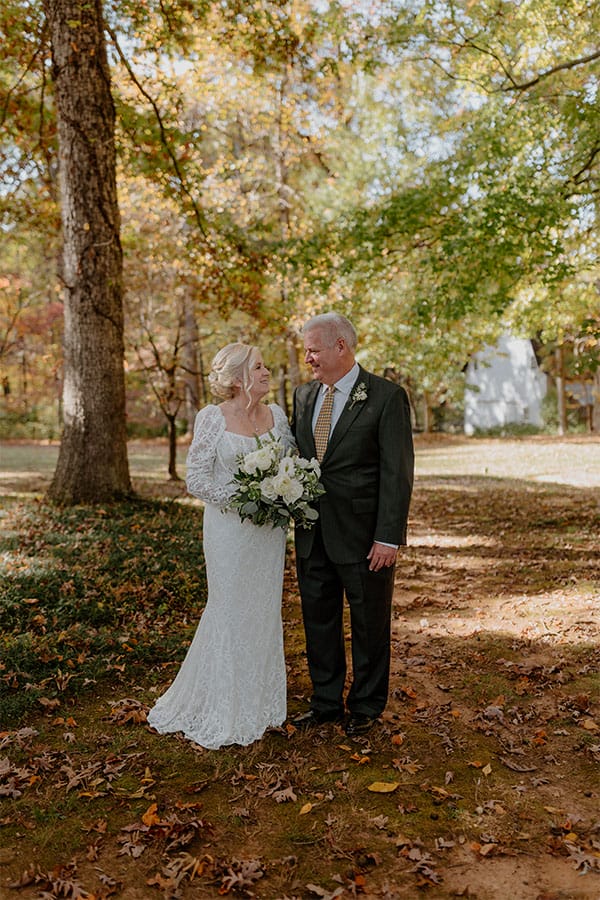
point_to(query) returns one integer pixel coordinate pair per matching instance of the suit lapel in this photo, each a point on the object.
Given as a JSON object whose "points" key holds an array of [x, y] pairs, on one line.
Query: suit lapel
{"points": [[348, 416]]}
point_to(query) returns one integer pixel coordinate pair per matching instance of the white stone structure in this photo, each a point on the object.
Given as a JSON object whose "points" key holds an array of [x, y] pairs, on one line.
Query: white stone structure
{"points": [[504, 386]]}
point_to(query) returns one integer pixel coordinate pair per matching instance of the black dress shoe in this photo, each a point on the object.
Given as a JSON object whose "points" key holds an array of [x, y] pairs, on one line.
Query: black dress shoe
{"points": [[315, 717], [359, 723]]}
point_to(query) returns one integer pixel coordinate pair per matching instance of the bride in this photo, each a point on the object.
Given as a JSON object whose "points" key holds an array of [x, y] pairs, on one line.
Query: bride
{"points": [[231, 686]]}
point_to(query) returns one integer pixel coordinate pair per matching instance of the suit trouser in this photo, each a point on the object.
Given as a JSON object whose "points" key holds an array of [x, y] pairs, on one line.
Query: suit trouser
{"points": [[369, 594]]}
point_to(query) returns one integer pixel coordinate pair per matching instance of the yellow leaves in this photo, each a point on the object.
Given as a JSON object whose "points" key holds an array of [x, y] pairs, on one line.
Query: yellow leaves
{"points": [[590, 725], [384, 787], [477, 764], [306, 809], [69, 722], [483, 849], [361, 760], [409, 692], [150, 817]]}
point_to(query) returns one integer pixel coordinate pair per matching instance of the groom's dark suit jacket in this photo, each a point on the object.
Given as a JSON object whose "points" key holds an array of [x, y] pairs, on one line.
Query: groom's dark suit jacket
{"points": [[367, 470]]}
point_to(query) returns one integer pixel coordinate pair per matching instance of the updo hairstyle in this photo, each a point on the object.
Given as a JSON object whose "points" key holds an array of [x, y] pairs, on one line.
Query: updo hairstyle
{"points": [[231, 371]]}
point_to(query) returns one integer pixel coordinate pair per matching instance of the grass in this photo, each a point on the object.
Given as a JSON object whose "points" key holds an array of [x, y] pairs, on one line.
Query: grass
{"points": [[90, 592], [491, 739]]}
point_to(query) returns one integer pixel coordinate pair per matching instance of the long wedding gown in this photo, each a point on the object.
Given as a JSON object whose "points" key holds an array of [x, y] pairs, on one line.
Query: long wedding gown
{"points": [[231, 686]]}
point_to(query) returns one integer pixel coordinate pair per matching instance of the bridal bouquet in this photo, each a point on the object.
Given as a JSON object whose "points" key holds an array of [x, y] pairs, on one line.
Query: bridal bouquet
{"points": [[275, 486]]}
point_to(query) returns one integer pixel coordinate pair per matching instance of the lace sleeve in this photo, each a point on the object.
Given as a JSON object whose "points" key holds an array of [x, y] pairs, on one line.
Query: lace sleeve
{"points": [[200, 476], [282, 426]]}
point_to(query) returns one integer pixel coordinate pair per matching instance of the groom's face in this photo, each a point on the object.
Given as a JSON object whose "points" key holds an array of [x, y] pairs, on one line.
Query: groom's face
{"points": [[326, 361]]}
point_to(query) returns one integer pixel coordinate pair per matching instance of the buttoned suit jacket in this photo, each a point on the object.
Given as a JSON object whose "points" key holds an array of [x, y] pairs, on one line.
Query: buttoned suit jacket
{"points": [[367, 469]]}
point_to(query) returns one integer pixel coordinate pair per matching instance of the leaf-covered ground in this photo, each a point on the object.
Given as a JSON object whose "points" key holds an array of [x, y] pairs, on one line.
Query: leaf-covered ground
{"points": [[481, 781]]}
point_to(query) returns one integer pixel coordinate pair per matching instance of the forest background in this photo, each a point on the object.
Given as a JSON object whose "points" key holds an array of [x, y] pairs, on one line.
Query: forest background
{"points": [[428, 168]]}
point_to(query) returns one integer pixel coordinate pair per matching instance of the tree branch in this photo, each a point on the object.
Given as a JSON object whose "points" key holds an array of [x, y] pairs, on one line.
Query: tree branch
{"points": [[164, 139], [21, 78], [561, 67]]}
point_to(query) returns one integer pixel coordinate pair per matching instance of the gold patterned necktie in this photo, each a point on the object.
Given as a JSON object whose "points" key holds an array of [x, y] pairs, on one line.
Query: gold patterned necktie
{"points": [[323, 423]]}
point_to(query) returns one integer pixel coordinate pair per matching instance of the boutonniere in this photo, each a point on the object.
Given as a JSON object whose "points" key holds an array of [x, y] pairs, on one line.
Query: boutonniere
{"points": [[358, 395]]}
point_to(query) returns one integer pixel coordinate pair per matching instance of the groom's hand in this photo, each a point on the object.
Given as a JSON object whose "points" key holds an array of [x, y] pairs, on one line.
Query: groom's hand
{"points": [[380, 556]]}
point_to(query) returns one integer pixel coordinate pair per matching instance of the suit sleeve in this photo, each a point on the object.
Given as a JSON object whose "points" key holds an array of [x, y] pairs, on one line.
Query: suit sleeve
{"points": [[293, 419], [396, 469]]}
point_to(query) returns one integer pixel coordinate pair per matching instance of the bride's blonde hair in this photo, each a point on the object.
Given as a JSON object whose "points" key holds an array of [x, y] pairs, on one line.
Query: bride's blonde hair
{"points": [[231, 369]]}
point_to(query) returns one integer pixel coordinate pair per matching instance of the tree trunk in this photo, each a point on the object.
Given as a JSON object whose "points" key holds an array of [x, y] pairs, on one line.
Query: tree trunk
{"points": [[282, 398], [596, 406], [172, 420], [561, 398], [191, 367], [293, 360], [92, 464], [427, 413]]}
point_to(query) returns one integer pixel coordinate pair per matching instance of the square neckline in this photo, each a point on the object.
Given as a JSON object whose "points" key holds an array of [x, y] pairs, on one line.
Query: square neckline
{"points": [[250, 436]]}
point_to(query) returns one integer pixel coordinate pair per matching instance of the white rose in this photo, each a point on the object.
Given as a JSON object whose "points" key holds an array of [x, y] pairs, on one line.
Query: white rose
{"points": [[248, 464], [259, 459], [268, 489], [287, 466], [288, 488], [265, 457]]}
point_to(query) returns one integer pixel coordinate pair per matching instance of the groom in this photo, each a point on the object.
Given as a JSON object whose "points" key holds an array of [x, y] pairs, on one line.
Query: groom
{"points": [[358, 426]]}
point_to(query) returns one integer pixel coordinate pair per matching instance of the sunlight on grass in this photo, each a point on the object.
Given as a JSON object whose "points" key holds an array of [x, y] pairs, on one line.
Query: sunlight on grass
{"points": [[452, 540], [575, 462]]}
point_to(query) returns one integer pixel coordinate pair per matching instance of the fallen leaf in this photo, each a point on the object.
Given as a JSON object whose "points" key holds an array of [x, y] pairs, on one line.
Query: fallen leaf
{"points": [[590, 725], [383, 787], [515, 766], [150, 818], [47, 703]]}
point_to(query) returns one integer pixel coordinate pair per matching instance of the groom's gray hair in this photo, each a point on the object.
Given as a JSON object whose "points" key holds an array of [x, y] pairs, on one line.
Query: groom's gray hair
{"points": [[335, 326]]}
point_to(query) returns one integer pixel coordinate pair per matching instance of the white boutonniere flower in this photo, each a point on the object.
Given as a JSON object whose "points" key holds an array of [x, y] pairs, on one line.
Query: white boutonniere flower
{"points": [[359, 394]]}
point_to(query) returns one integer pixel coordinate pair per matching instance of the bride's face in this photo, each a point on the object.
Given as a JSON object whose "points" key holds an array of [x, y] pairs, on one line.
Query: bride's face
{"points": [[260, 377]]}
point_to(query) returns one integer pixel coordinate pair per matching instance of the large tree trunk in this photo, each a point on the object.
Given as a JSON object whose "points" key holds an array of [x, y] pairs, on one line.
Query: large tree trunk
{"points": [[92, 464]]}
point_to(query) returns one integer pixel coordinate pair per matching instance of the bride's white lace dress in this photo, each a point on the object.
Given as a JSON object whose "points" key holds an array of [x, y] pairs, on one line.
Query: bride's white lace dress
{"points": [[231, 686]]}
